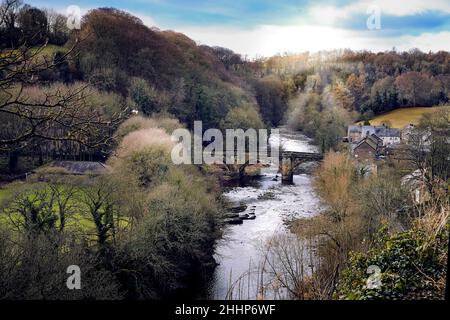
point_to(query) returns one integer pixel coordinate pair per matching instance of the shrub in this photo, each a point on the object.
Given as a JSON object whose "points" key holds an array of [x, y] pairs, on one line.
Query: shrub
{"points": [[244, 117], [36, 269], [146, 97], [410, 267], [172, 245]]}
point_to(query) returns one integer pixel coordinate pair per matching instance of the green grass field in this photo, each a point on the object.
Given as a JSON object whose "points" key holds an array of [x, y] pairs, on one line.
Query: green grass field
{"points": [[400, 118], [78, 220], [4, 192], [48, 51]]}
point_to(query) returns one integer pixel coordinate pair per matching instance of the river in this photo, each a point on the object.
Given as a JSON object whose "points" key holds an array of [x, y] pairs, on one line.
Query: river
{"points": [[274, 204]]}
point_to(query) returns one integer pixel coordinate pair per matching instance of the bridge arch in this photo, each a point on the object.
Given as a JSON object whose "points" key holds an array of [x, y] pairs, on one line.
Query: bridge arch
{"points": [[290, 160]]}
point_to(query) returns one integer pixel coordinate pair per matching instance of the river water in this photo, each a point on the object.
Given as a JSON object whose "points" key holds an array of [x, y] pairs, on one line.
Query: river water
{"points": [[274, 204]]}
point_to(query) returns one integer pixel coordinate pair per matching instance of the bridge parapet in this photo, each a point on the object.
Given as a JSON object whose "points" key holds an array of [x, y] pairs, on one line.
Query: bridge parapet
{"points": [[306, 156]]}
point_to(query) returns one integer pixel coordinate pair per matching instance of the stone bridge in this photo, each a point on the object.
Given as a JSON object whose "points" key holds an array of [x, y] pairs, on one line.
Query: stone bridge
{"points": [[290, 160]]}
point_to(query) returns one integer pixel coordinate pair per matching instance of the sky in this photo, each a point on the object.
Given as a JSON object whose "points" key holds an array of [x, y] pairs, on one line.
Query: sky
{"points": [[259, 28]]}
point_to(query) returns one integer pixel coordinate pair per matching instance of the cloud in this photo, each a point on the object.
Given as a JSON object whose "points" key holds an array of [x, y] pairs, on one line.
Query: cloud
{"points": [[411, 7], [146, 20], [398, 8], [265, 27], [405, 24], [426, 41], [267, 40]]}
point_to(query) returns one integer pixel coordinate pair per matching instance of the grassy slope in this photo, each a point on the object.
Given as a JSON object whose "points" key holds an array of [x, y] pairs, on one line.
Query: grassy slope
{"points": [[3, 193], [399, 118], [49, 50]]}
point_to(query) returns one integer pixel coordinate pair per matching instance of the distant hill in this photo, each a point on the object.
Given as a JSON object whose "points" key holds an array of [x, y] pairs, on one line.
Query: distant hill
{"points": [[161, 71], [400, 118]]}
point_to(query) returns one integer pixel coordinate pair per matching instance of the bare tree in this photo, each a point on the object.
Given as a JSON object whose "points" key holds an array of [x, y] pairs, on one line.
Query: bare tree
{"points": [[39, 209], [102, 206], [9, 10], [429, 149], [59, 115]]}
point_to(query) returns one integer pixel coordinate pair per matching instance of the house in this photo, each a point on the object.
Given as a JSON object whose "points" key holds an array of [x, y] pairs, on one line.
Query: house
{"points": [[415, 183], [416, 136], [358, 132], [398, 152], [407, 132], [387, 135], [366, 149], [74, 168], [376, 139], [353, 134]]}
